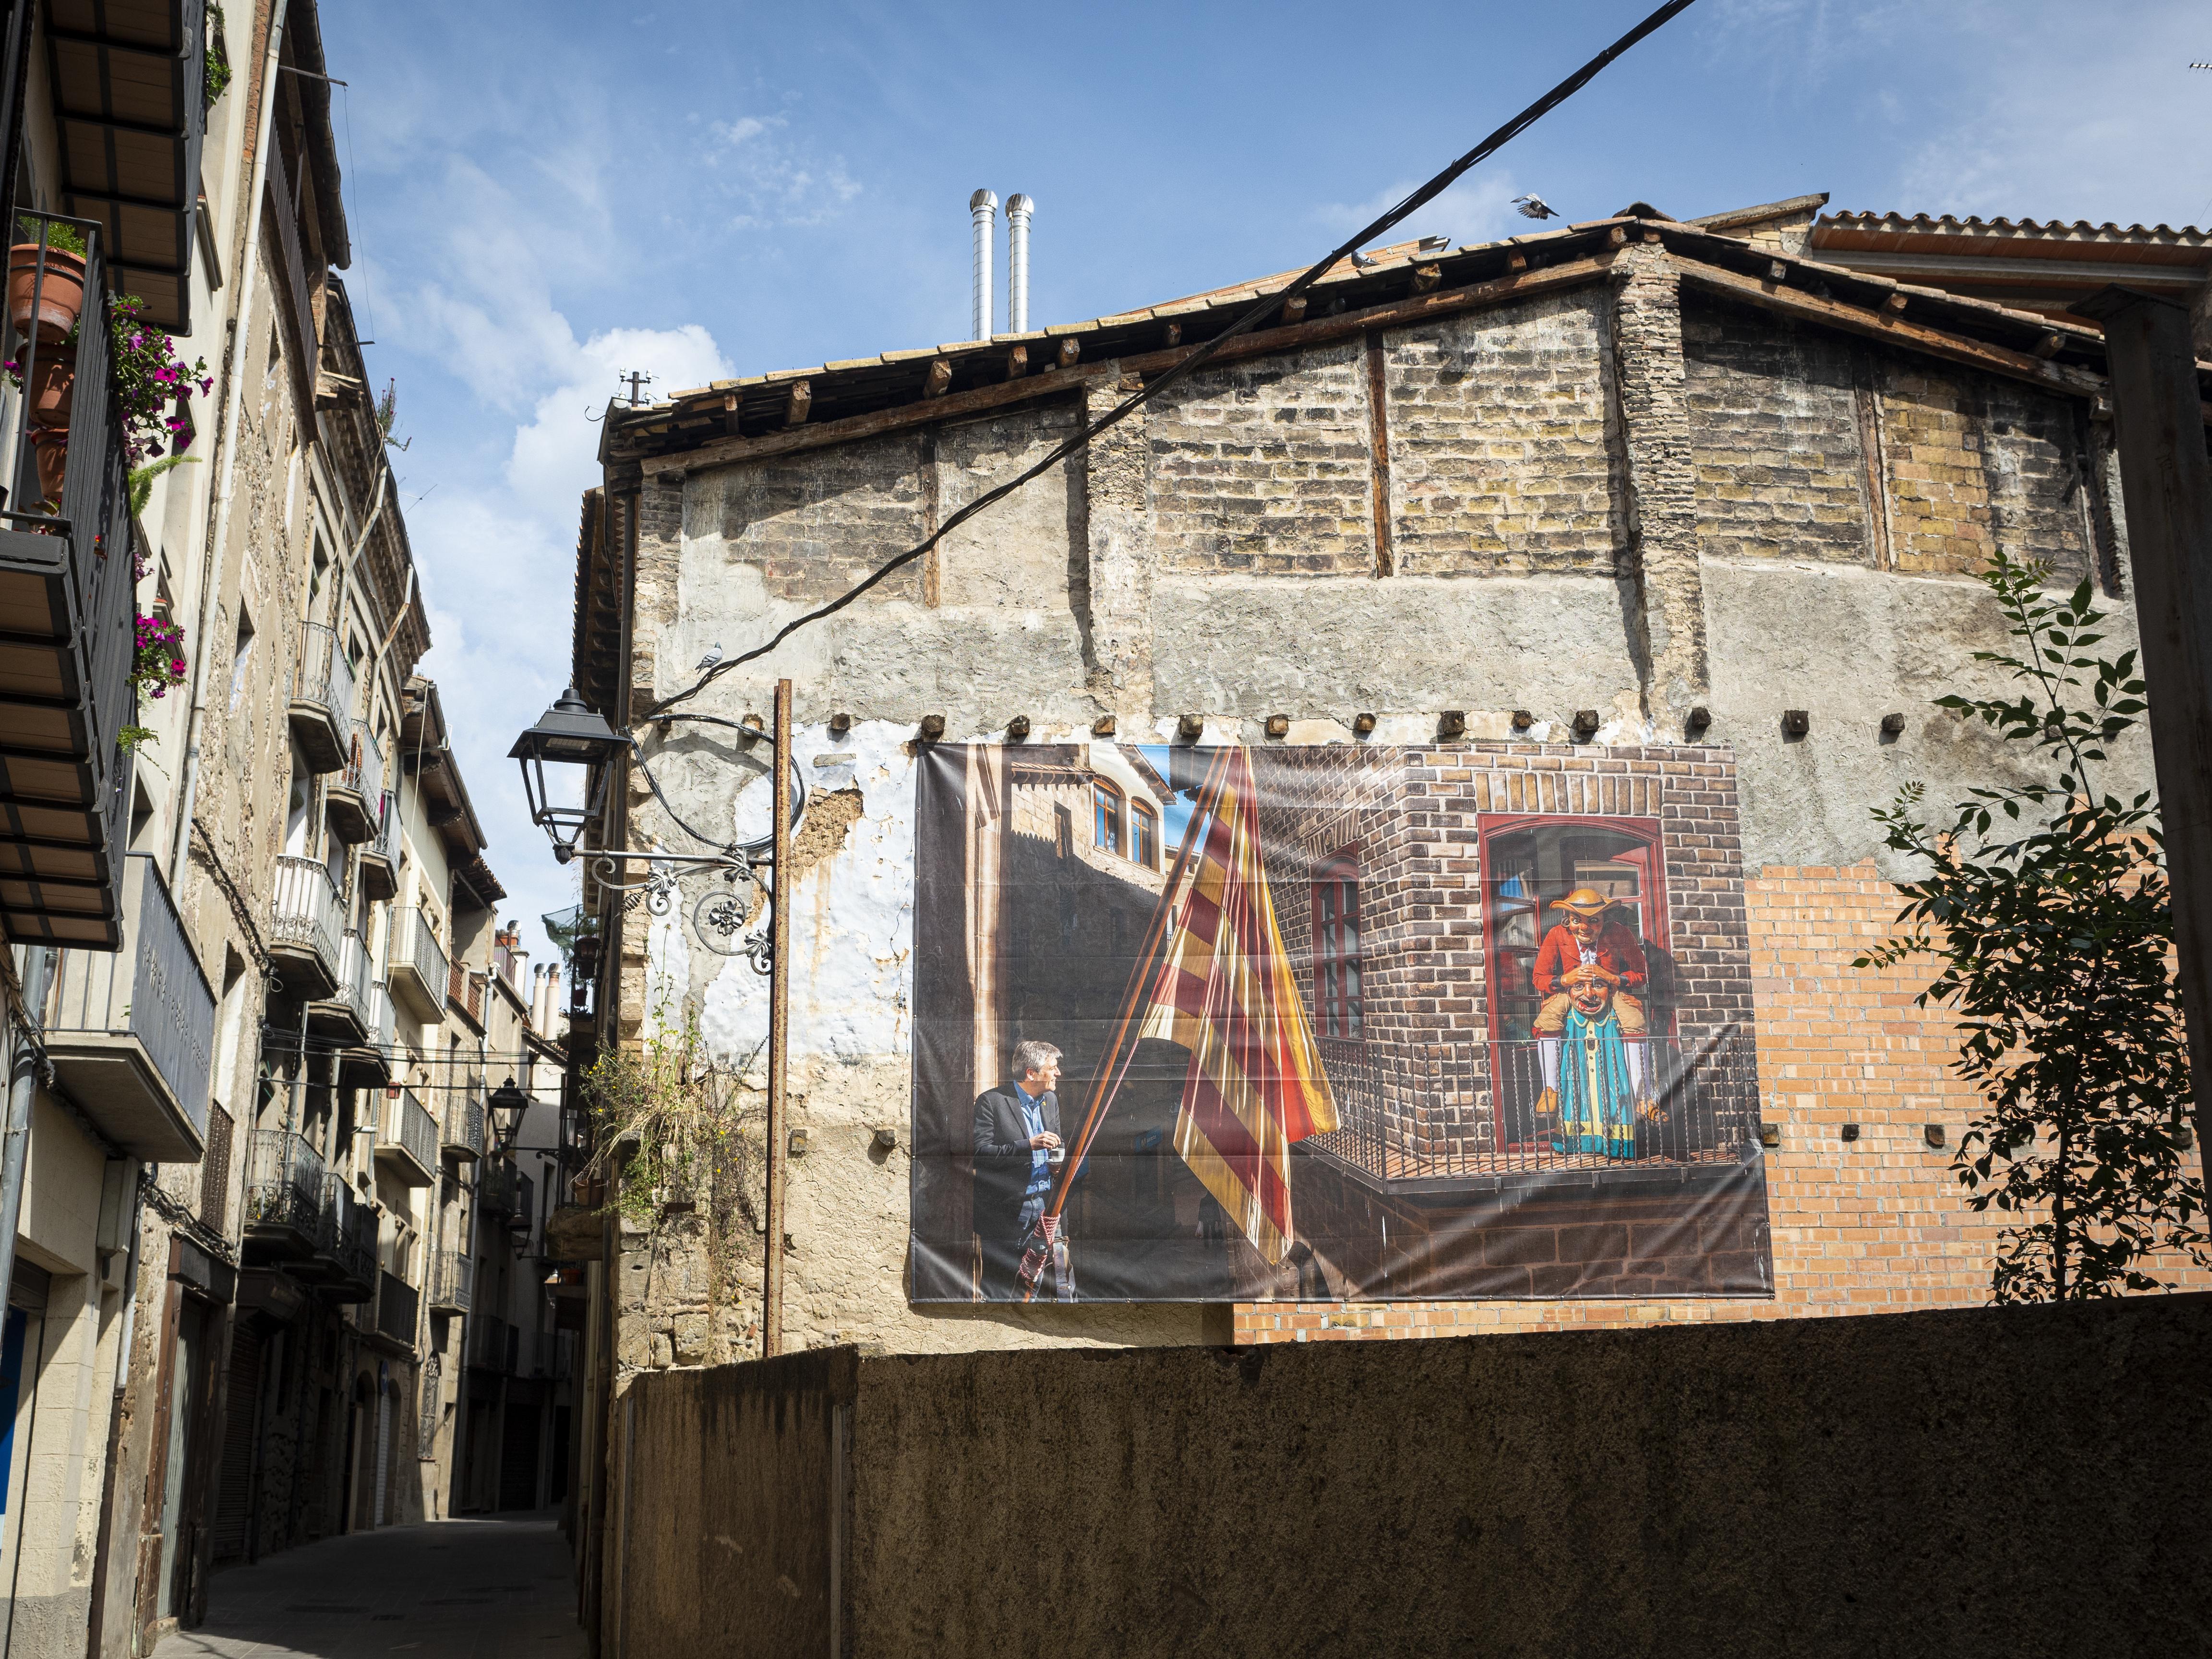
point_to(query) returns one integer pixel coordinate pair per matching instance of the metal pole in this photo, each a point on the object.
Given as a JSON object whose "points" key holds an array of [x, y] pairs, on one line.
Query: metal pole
{"points": [[2158, 417], [983, 218], [779, 1032], [22, 1089]]}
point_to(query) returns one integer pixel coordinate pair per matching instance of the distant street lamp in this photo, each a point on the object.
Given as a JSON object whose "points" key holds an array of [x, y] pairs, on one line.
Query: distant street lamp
{"points": [[509, 1105]]}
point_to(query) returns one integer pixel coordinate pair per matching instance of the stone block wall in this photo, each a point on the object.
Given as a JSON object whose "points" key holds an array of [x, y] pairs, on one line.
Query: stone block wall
{"points": [[813, 523], [1501, 432], [1264, 468]]}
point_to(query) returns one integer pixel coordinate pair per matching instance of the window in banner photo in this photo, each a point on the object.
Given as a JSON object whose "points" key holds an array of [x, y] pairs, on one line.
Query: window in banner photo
{"points": [[1336, 947], [1106, 832], [1145, 835]]}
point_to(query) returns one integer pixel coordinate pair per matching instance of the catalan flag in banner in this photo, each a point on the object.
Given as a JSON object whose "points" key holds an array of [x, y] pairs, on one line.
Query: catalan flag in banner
{"points": [[1224, 990]]}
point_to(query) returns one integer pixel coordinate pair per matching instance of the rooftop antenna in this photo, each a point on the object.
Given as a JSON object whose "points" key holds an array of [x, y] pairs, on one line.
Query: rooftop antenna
{"points": [[634, 380]]}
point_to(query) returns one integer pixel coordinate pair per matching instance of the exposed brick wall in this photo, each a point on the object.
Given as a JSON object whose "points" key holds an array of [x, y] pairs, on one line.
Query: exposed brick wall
{"points": [[1938, 496], [1878, 1224], [818, 522], [1264, 467], [1975, 462], [1774, 433], [1498, 458]]}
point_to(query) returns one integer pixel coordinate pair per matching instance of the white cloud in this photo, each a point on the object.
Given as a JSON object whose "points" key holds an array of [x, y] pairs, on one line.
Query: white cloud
{"points": [[499, 558], [773, 181]]}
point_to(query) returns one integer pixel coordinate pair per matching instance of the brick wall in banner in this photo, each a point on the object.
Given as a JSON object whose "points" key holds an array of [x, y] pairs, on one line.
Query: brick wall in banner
{"points": [[1875, 1225]]}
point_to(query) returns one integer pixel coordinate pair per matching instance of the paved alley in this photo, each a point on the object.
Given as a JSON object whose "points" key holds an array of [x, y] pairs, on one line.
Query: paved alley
{"points": [[446, 1589]]}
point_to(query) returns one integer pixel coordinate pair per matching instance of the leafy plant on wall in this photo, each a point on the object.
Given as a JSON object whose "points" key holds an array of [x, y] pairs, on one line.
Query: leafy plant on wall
{"points": [[679, 1152], [2046, 909], [157, 667]]}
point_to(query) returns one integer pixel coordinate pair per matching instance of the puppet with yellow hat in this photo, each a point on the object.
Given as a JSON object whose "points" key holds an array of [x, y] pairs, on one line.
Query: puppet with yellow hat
{"points": [[1589, 970]]}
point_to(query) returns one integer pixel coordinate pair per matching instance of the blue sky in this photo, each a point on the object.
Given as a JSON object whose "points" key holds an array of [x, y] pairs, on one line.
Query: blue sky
{"points": [[544, 194]]}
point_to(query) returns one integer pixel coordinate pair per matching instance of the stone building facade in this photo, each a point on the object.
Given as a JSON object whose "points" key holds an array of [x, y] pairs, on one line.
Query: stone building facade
{"points": [[253, 1131], [1634, 506]]}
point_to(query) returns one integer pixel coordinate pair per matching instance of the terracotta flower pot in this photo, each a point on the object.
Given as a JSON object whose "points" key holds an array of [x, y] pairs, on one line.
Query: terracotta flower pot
{"points": [[50, 445], [53, 386], [61, 299]]}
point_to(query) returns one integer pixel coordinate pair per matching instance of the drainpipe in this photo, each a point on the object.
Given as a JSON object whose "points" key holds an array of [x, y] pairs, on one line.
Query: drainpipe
{"points": [[983, 212], [1018, 208], [22, 1089], [234, 399]]}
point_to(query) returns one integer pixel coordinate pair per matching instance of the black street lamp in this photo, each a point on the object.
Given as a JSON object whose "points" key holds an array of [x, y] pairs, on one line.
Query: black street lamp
{"points": [[509, 1105], [569, 734]]}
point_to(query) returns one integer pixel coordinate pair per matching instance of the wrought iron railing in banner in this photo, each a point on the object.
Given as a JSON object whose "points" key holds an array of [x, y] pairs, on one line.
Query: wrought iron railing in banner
{"points": [[1584, 1101]]}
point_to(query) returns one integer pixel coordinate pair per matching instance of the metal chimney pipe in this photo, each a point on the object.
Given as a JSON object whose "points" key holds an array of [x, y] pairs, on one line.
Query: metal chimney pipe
{"points": [[982, 209], [1018, 208]]}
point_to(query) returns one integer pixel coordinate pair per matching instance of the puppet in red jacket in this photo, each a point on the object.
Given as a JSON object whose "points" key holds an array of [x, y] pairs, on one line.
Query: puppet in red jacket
{"points": [[1590, 962]]}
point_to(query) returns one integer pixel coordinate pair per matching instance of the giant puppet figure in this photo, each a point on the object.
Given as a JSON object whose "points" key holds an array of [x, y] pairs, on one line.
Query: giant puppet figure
{"points": [[1589, 972]]}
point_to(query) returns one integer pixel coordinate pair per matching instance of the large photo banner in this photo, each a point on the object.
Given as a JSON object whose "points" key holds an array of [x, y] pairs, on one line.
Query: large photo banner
{"points": [[1332, 1023]]}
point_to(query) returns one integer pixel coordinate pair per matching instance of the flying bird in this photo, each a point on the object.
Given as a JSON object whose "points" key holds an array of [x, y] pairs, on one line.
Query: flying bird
{"points": [[1534, 207], [713, 655]]}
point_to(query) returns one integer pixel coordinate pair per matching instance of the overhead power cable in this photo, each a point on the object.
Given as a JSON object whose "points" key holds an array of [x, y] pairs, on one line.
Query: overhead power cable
{"points": [[1245, 323]]}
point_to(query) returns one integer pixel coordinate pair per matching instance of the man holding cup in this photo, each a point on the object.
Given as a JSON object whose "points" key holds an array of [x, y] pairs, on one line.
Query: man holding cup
{"points": [[1017, 1155]]}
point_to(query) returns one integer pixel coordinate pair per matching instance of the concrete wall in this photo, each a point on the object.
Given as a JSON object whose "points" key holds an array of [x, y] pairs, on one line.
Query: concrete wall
{"points": [[1963, 1482]]}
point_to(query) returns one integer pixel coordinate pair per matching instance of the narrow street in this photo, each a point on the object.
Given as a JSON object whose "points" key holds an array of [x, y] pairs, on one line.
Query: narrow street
{"points": [[447, 1589]]}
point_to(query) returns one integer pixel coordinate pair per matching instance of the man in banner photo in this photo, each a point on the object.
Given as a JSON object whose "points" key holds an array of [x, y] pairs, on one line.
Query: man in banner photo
{"points": [[1016, 1155]]}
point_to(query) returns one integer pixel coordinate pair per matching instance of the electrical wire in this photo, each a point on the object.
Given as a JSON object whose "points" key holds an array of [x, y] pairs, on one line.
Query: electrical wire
{"points": [[1250, 318]]}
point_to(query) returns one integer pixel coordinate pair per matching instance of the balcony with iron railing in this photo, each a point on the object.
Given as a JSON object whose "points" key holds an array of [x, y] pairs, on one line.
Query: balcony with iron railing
{"points": [[131, 1033], [343, 1262], [322, 698], [451, 1273], [398, 1306], [344, 1015], [379, 854], [491, 1344], [284, 1181], [306, 932], [67, 638], [416, 966], [462, 1131], [409, 1143], [497, 1192], [355, 792], [370, 1061]]}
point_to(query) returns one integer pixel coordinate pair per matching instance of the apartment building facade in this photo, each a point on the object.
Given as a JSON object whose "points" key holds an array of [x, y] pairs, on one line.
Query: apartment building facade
{"points": [[242, 886]]}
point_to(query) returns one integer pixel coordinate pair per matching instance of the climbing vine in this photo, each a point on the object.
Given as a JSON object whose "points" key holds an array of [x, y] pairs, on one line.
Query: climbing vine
{"points": [[680, 1146]]}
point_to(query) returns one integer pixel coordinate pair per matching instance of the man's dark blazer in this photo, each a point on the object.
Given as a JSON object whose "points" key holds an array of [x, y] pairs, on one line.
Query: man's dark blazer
{"points": [[1003, 1156]]}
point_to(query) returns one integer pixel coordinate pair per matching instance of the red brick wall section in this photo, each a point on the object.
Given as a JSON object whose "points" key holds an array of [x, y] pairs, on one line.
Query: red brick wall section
{"points": [[1876, 1225]]}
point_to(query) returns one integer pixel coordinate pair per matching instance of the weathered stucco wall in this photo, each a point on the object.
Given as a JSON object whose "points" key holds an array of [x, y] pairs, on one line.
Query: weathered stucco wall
{"points": [[1963, 1482], [1612, 498]]}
